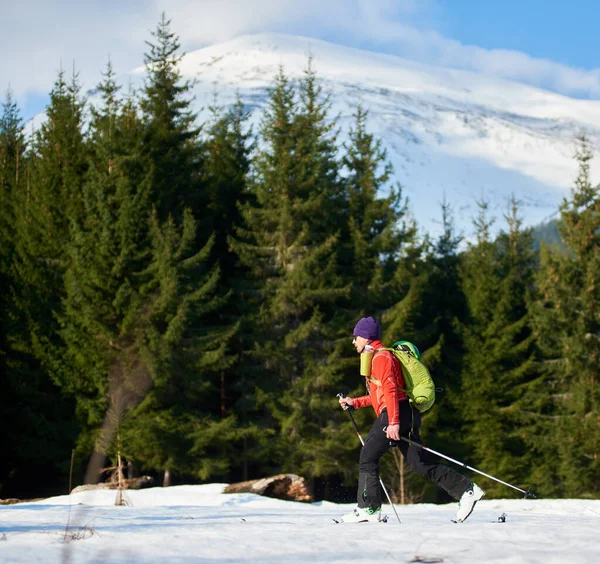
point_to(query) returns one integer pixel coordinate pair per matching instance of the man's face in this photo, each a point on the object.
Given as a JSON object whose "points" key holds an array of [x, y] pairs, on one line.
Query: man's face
{"points": [[359, 344]]}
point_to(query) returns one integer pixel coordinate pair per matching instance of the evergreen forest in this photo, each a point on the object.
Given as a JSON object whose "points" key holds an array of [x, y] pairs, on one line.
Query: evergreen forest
{"points": [[179, 297]]}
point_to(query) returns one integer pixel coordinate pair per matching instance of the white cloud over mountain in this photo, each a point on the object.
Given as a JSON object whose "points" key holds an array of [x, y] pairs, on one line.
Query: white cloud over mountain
{"points": [[42, 36]]}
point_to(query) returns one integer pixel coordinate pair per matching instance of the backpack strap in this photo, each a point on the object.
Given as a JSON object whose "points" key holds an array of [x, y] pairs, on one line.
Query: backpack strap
{"points": [[377, 382]]}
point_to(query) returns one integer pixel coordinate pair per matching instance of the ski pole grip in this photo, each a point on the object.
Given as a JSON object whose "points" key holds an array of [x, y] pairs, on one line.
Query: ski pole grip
{"points": [[345, 406]]}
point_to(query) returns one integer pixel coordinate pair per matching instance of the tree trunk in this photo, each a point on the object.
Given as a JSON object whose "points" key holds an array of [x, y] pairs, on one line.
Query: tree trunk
{"points": [[223, 411], [245, 460], [283, 486]]}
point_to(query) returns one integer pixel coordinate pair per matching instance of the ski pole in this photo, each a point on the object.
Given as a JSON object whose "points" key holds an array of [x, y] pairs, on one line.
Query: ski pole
{"points": [[348, 409], [413, 443]]}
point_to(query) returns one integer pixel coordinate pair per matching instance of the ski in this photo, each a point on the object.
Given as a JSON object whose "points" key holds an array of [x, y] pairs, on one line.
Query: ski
{"points": [[384, 519], [501, 519]]}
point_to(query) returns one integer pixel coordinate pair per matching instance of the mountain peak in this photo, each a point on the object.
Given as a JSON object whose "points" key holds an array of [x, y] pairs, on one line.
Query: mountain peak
{"points": [[450, 134]]}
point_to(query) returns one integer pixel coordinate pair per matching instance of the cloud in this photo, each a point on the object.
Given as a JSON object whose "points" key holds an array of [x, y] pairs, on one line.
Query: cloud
{"points": [[407, 28], [431, 47], [208, 21], [39, 36]]}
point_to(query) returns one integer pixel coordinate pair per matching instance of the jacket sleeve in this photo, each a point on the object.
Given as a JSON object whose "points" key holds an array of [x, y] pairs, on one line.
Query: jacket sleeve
{"points": [[362, 401], [385, 371]]}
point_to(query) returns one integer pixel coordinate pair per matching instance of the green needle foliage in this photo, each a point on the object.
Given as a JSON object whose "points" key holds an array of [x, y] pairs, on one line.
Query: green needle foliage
{"points": [[105, 255], [13, 148], [497, 280], [377, 228], [376, 234], [181, 296], [568, 325], [290, 244], [47, 195], [170, 143], [228, 144], [436, 317], [37, 435], [53, 199], [179, 284]]}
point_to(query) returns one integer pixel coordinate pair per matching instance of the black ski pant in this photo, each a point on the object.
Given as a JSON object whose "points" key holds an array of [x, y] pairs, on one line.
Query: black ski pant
{"points": [[419, 460]]}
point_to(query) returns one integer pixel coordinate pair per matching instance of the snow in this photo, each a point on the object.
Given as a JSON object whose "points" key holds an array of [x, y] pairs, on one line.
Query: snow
{"points": [[449, 133], [201, 524]]}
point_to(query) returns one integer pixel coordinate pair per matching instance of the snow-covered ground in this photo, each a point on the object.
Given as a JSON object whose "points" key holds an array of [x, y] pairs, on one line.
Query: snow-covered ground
{"points": [[201, 524]]}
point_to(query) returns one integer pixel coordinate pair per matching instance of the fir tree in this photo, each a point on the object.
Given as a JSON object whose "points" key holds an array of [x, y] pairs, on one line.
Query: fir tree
{"points": [[137, 291], [39, 190], [12, 152], [170, 145], [167, 206], [13, 149], [568, 326], [444, 307], [435, 321], [376, 237], [376, 224], [227, 151], [12, 174], [290, 244], [106, 250], [173, 427], [497, 281], [46, 208]]}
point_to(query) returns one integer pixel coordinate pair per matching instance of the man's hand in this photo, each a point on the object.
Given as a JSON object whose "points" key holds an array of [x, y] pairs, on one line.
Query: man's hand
{"points": [[346, 402], [393, 432]]}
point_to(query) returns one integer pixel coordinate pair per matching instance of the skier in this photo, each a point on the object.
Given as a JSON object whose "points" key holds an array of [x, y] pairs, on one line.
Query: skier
{"points": [[395, 418]]}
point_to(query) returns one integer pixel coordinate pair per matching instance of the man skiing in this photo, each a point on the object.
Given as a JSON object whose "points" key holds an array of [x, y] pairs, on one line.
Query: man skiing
{"points": [[395, 418]]}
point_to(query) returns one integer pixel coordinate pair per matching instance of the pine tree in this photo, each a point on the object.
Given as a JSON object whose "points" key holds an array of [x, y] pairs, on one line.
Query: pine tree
{"points": [[173, 156], [497, 279], [444, 307], [377, 236], [568, 326], [33, 231], [45, 210], [434, 326], [170, 143], [136, 290], [227, 147], [377, 225], [173, 427], [12, 153], [12, 174], [290, 244], [106, 250], [13, 149]]}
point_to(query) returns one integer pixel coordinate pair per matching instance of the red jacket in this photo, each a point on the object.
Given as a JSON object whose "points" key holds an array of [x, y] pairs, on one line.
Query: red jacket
{"points": [[386, 377]]}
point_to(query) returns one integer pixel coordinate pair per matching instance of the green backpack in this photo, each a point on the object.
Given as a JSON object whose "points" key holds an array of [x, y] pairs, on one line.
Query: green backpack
{"points": [[419, 386]]}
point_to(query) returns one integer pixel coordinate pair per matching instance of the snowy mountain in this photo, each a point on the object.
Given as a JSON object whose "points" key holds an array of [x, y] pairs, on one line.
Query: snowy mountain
{"points": [[448, 133], [184, 524]]}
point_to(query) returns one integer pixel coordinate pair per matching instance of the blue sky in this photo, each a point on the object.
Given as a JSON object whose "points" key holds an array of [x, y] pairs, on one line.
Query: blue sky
{"points": [[553, 44], [564, 31]]}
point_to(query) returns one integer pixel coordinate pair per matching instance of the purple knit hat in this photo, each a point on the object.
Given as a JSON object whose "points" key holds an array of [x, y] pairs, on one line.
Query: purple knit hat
{"points": [[367, 328]]}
